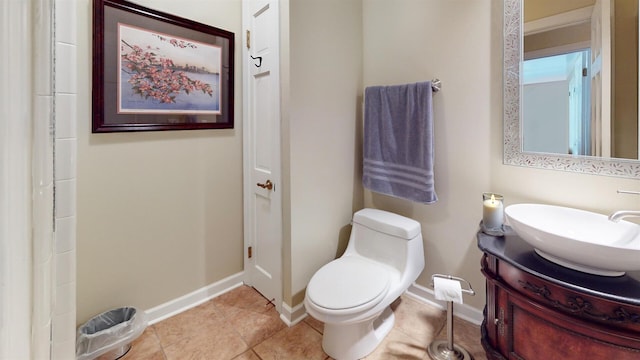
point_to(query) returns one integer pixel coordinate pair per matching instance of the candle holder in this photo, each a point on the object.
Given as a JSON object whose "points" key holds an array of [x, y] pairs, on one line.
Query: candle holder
{"points": [[492, 214]]}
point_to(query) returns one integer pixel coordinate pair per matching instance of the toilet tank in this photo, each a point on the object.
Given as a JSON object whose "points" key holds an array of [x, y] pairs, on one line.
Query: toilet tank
{"points": [[388, 238]]}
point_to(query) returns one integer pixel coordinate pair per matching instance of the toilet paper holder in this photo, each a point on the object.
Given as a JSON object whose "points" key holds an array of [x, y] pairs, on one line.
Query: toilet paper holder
{"points": [[446, 349], [469, 289]]}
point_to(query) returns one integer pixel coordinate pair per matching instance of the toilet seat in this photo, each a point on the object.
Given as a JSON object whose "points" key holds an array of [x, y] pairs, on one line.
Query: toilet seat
{"points": [[348, 283]]}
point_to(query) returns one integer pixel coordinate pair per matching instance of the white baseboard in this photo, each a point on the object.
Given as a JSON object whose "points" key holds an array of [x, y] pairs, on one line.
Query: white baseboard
{"points": [[288, 315], [292, 316], [462, 311], [193, 299]]}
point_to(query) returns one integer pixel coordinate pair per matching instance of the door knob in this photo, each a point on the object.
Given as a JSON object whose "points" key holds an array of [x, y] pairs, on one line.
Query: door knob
{"points": [[267, 185]]}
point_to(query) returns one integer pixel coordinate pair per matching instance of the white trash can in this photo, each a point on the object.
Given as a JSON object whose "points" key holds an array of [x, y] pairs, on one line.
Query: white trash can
{"points": [[109, 334]]}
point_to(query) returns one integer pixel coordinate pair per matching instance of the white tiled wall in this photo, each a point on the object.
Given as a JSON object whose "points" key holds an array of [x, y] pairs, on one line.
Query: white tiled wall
{"points": [[64, 312], [42, 178]]}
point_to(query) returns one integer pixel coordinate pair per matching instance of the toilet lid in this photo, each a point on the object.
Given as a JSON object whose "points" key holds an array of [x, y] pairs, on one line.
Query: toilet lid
{"points": [[347, 283]]}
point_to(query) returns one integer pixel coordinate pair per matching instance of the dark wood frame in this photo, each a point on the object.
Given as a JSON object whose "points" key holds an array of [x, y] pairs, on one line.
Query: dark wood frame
{"points": [[106, 13]]}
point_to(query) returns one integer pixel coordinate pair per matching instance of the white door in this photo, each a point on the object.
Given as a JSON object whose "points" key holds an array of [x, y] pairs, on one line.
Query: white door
{"points": [[601, 78], [262, 193]]}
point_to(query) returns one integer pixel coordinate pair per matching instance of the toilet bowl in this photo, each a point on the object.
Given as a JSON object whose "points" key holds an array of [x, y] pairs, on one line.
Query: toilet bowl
{"points": [[352, 294]]}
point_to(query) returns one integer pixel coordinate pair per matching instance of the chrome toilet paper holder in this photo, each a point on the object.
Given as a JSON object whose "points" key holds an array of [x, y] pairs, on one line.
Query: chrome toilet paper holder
{"points": [[446, 349]]}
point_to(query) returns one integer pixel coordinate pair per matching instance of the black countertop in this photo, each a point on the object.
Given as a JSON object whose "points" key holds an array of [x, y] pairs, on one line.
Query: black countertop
{"points": [[515, 251]]}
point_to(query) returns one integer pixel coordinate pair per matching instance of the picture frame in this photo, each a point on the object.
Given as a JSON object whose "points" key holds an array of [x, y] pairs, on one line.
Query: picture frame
{"points": [[156, 71]]}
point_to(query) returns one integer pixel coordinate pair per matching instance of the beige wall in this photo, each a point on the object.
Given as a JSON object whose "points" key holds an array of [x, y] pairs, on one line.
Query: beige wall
{"points": [[167, 207], [537, 9], [468, 126], [405, 41], [159, 213], [625, 80], [323, 134], [569, 35]]}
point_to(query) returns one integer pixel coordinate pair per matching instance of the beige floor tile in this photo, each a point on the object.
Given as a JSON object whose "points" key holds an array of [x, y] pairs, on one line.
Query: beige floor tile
{"points": [[242, 325], [315, 323], [145, 347], [256, 325], [191, 322], [248, 355], [215, 344], [398, 345], [243, 297], [418, 320], [295, 343]]}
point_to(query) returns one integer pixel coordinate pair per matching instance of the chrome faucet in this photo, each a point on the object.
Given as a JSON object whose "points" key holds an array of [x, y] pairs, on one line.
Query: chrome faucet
{"points": [[618, 215]]}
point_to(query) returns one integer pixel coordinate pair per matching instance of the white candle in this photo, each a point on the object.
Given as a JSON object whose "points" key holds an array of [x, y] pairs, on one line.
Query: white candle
{"points": [[492, 213]]}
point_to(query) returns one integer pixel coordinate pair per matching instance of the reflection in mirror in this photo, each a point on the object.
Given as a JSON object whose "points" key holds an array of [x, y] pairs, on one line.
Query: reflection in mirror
{"points": [[580, 77], [564, 72], [556, 104]]}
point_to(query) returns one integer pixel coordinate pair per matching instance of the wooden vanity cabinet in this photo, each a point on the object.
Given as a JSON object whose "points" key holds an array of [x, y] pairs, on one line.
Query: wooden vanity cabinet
{"points": [[529, 316]]}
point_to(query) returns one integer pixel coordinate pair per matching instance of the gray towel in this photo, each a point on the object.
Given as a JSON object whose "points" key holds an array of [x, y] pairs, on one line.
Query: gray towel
{"points": [[398, 141]]}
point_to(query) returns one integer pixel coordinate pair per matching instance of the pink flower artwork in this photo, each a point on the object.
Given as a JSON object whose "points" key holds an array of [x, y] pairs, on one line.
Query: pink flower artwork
{"points": [[166, 73]]}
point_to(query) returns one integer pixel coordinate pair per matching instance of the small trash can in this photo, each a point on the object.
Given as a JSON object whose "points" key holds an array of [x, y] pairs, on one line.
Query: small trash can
{"points": [[109, 334]]}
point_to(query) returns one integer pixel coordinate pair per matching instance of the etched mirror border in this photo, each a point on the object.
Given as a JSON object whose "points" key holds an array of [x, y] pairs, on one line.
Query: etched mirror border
{"points": [[513, 154]]}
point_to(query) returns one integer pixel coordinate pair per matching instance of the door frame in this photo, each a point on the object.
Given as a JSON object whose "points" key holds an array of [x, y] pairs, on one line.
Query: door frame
{"points": [[247, 153]]}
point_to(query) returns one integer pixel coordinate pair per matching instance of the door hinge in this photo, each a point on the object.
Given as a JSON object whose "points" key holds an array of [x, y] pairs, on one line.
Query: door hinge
{"points": [[248, 39], [584, 72], [250, 252]]}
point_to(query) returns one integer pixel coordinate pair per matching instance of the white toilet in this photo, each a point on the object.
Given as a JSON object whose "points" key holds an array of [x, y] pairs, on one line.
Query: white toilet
{"points": [[352, 294]]}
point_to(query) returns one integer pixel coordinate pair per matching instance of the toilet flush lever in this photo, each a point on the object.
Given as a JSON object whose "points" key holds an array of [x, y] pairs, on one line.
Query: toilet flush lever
{"points": [[267, 185]]}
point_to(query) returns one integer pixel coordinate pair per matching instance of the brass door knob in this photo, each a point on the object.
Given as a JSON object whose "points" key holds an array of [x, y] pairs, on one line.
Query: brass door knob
{"points": [[267, 185]]}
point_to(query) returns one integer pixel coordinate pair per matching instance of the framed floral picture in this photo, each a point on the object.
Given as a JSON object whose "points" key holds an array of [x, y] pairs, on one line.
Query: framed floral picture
{"points": [[157, 71]]}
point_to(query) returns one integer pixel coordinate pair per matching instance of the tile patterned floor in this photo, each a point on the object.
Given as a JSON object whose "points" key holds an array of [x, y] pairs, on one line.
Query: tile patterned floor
{"points": [[242, 325]]}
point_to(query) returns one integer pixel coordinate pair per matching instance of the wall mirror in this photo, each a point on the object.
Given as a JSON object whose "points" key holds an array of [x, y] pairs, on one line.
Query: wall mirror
{"points": [[567, 106]]}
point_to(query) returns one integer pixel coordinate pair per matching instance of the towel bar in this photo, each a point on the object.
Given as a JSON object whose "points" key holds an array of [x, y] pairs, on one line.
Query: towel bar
{"points": [[436, 84]]}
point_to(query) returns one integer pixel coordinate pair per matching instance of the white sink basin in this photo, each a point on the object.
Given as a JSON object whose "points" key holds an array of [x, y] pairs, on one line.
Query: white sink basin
{"points": [[577, 239]]}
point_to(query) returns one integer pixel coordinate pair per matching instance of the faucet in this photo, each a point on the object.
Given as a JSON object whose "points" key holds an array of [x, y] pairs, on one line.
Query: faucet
{"points": [[618, 215]]}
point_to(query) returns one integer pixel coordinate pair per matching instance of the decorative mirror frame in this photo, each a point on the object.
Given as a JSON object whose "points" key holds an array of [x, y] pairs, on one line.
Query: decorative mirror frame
{"points": [[513, 154]]}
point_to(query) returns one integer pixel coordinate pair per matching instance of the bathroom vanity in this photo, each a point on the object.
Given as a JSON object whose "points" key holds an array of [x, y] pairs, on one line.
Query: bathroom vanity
{"points": [[536, 309]]}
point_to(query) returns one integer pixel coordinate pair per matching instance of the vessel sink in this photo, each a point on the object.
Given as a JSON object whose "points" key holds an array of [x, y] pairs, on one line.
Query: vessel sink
{"points": [[578, 239]]}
